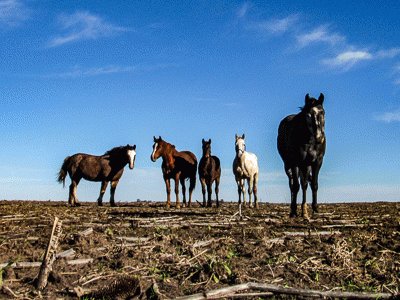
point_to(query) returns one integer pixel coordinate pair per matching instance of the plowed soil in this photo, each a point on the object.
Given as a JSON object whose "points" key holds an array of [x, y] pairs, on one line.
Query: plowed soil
{"points": [[146, 250]]}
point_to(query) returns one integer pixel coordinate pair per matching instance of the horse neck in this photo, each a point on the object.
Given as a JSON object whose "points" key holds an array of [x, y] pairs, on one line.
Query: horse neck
{"points": [[240, 154], [168, 156], [207, 154], [303, 134], [116, 160]]}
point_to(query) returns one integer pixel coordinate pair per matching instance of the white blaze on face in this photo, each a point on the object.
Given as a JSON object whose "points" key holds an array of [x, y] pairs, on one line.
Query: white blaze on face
{"points": [[154, 151], [319, 123], [132, 156], [240, 146]]}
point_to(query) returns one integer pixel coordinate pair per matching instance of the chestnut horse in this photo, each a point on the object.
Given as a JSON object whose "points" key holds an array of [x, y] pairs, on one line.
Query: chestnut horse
{"points": [[301, 144], [209, 171], [104, 168], [177, 165]]}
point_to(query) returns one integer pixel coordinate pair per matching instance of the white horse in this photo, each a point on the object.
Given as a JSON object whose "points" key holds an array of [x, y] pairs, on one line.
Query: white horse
{"points": [[245, 166]]}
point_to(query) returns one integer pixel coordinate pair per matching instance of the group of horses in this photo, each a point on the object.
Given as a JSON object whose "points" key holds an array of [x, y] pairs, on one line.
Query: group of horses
{"points": [[301, 144]]}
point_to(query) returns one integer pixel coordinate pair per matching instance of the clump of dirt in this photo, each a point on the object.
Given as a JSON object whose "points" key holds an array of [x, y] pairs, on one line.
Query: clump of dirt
{"points": [[143, 250]]}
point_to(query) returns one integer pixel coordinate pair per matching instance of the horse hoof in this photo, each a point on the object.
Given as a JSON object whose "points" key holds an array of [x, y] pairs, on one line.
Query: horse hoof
{"points": [[293, 215], [77, 204]]}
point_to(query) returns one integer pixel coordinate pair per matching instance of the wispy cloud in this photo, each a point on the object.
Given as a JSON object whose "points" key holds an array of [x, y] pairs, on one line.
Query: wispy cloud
{"points": [[388, 53], [348, 59], [243, 10], [79, 71], [389, 117], [275, 26], [84, 26], [13, 13], [320, 34]]}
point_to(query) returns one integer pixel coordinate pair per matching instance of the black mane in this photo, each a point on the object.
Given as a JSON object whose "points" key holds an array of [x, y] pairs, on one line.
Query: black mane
{"points": [[119, 149]]}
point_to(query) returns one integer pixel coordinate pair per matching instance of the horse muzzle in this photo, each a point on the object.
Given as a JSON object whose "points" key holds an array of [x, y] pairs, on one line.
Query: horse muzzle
{"points": [[152, 158]]}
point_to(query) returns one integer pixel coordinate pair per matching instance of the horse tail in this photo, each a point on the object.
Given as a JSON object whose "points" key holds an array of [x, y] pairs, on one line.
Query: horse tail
{"points": [[63, 171]]}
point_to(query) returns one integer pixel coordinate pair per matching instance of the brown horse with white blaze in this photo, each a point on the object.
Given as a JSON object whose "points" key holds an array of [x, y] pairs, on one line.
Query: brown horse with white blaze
{"points": [[177, 165], [104, 168]]}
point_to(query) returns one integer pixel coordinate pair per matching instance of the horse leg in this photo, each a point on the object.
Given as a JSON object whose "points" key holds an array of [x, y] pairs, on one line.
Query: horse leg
{"points": [[314, 186], [72, 186], [102, 191], [293, 175], [168, 189], [177, 205], [304, 183], [250, 189], [112, 192], [191, 188], [182, 180], [72, 191], [203, 190], [209, 191], [255, 183], [217, 190], [240, 184]]}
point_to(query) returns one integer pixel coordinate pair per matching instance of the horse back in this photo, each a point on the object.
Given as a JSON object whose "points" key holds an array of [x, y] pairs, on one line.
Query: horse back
{"points": [[186, 156]]}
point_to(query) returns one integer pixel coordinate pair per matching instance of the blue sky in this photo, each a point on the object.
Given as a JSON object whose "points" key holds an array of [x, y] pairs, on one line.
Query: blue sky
{"points": [[85, 76]]}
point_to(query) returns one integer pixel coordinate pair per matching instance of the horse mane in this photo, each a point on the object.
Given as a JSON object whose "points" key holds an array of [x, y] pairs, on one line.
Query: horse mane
{"points": [[115, 150]]}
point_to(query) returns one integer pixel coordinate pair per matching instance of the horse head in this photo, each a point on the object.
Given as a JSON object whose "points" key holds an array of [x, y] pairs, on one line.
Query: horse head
{"points": [[240, 146], [131, 150], [206, 145], [315, 117], [157, 148]]}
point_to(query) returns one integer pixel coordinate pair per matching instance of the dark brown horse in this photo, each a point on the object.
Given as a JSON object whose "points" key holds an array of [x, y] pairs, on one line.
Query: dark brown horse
{"points": [[177, 165], [104, 168], [301, 144], [209, 171]]}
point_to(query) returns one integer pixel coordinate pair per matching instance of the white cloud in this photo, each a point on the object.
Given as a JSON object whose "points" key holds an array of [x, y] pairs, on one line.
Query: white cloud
{"points": [[243, 10], [389, 53], [83, 26], [348, 59], [78, 71], [275, 26], [389, 117], [320, 34], [13, 12]]}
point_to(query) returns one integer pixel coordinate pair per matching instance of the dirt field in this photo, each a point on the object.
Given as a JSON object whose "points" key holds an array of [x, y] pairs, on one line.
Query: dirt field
{"points": [[145, 250]]}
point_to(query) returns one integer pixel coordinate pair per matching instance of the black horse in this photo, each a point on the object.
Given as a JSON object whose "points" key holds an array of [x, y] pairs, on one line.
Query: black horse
{"points": [[104, 168], [301, 144], [209, 171]]}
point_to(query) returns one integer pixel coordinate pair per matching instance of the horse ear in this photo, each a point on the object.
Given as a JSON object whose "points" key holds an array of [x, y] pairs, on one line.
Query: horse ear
{"points": [[236, 136], [307, 100], [155, 140], [209, 140], [243, 136], [321, 99], [159, 138], [134, 147], [202, 141]]}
